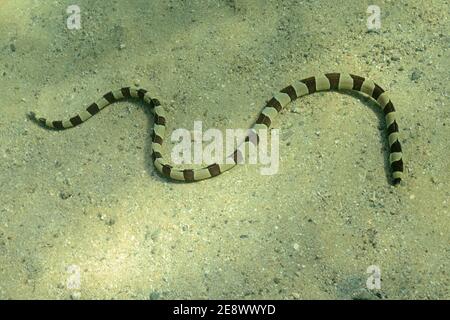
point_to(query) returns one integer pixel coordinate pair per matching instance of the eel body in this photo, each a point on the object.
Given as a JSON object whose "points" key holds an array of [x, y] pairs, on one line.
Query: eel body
{"points": [[329, 81]]}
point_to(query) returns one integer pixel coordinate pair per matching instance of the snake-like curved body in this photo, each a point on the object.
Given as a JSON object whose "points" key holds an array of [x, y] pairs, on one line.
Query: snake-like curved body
{"points": [[329, 81]]}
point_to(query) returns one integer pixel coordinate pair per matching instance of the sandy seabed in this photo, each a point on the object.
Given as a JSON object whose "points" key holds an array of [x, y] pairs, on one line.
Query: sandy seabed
{"points": [[84, 214]]}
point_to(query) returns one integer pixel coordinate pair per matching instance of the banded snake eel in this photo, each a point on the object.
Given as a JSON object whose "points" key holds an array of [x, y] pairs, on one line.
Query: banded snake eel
{"points": [[329, 81]]}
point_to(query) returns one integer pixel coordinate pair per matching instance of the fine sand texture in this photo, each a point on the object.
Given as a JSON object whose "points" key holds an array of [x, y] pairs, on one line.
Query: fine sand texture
{"points": [[85, 215]]}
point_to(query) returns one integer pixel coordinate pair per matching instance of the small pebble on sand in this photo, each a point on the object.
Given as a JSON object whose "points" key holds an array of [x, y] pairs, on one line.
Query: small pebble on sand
{"points": [[416, 75], [154, 295]]}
